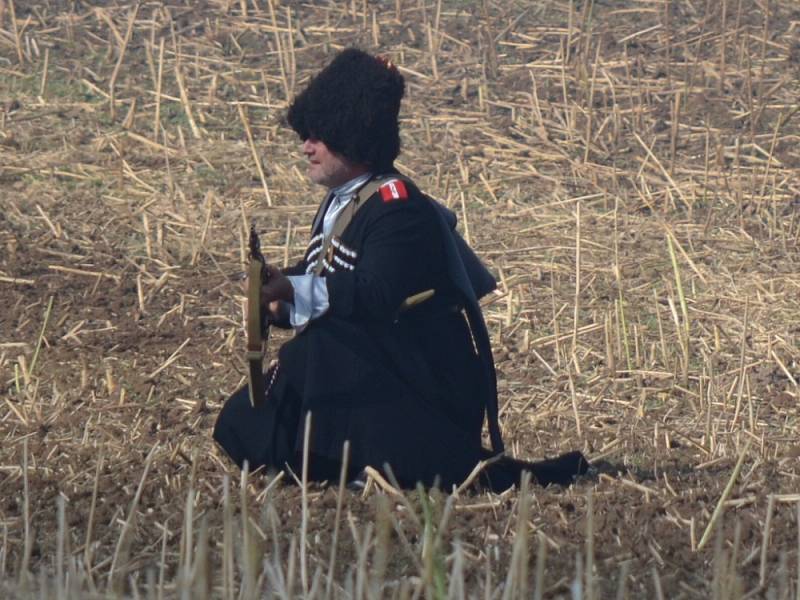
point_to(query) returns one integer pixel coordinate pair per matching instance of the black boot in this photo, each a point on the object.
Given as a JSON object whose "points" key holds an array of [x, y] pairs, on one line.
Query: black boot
{"points": [[506, 472]]}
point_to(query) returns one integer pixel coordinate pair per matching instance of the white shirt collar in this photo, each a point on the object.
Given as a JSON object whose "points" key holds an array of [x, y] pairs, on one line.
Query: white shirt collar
{"points": [[345, 191], [337, 199]]}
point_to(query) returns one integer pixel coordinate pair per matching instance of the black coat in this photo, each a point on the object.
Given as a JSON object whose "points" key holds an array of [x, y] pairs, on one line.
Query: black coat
{"points": [[408, 388]]}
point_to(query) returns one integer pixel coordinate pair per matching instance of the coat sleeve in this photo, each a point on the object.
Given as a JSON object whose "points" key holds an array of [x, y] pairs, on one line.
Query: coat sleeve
{"points": [[397, 259], [283, 321], [296, 269]]}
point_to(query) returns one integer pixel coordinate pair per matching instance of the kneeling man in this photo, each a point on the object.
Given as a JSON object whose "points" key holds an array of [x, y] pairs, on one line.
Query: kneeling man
{"points": [[391, 350]]}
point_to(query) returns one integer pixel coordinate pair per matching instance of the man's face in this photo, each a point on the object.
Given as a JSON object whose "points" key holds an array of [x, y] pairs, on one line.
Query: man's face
{"points": [[327, 168]]}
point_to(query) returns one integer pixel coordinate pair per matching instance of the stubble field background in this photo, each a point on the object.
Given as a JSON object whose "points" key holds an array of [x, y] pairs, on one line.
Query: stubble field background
{"points": [[629, 170]]}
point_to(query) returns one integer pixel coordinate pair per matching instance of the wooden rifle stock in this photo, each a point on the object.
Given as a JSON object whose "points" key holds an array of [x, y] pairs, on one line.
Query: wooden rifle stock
{"points": [[257, 322]]}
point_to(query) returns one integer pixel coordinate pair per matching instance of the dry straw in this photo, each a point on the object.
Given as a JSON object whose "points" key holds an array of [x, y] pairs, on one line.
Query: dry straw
{"points": [[138, 141]]}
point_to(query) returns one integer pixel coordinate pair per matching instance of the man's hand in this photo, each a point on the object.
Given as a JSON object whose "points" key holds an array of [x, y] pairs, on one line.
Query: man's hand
{"points": [[277, 288]]}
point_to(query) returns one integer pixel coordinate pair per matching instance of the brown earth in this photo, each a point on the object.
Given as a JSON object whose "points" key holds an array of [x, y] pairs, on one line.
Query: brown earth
{"points": [[646, 131]]}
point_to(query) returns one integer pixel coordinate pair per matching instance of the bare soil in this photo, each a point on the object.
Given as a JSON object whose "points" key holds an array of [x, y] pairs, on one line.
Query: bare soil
{"points": [[628, 170]]}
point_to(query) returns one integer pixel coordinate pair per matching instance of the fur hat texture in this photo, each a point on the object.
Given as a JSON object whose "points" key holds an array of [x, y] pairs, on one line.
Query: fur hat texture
{"points": [[352, 105]]}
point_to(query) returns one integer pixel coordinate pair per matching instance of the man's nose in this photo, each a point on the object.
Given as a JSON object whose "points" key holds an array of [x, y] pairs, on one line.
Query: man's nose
{"points": [[308, 147]]}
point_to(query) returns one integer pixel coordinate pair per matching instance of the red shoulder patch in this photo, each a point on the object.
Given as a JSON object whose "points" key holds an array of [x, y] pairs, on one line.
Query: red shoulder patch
{"points": [[394, 189]]}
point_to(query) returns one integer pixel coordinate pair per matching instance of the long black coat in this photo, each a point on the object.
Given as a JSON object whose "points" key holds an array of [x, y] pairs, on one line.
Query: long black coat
{"points": [[405, 388]]}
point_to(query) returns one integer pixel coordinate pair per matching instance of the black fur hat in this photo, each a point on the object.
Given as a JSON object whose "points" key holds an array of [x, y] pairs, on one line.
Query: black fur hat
{"points": [[352, 106]]}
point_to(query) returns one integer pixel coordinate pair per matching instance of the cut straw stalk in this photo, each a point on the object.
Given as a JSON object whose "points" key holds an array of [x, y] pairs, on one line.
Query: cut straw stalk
{"points": [[17, 280], [123, 48], [742, 365], [589, 546], [685, 334], [590, 106], [172, 358], [26, 517], [375, 476], [4, 547], [541, 558], [254, 152], [227, 541], [304, 506], [84, 272], [574, 398], [159, 81], [87, 548], [15, 30], [338, 518], [282, 59], [664, 171], [720, 508], [123, 542], [575, 312], [60, 546], [35, 358], [187, 105], [251, 548], [517, 578], [762, 571], [619, 303], [45, 68]]}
